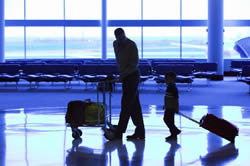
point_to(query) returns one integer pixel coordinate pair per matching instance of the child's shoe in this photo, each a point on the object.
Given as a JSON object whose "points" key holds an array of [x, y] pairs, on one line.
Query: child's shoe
{"points": [[178, 132], [171, 138]]}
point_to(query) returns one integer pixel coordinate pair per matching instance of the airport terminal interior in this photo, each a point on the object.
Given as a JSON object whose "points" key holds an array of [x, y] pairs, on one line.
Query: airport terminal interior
{"points": [[54, 52]]}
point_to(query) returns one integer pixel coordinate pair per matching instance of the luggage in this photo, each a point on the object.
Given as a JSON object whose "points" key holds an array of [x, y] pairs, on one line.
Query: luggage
{"points": [[217, 126], [75, 113], [91, 113], [84, 112], [81, 113]]}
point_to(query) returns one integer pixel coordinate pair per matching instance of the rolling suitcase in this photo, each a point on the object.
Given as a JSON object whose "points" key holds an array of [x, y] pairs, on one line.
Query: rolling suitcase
{"points": [[217, 126], [81, 113]]}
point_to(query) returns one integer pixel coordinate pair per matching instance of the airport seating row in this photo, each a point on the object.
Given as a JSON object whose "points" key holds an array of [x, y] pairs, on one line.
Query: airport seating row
{"points": [[94, 72], [245, 75], [237, 66]]}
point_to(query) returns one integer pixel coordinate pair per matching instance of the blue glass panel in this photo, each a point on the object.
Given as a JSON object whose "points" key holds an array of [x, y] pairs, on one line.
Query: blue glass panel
{"points": [[44, 9], [195, 9], [123, 9], [14, 9], [83, 9], [14, 43], [45, 42], [161, 42], [161, 9], [231, 35], [194, 42], [236, 10], [83, 42]]}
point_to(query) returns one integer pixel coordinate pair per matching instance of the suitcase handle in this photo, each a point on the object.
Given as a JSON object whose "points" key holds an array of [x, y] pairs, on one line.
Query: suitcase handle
{"points": [[185, 116]]}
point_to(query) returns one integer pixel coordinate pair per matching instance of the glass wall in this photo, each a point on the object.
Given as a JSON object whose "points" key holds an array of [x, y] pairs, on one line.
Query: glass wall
{"points": [[123, 9], [73, 29], [162, 10], [83, 9], [194, 42], [236, 10], [83, 42], [44, 9], [231, 35], [161, 42], [14, 42], [14, 9], [44, 42]]}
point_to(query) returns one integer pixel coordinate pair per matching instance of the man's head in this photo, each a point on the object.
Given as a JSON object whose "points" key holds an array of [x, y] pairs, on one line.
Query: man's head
{"points": [[120, 35], [170, 77]]}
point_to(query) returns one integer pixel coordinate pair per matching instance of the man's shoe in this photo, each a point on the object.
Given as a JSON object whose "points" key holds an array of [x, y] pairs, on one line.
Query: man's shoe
{"points": [[171, 138], [111, 134], [136, 136]]}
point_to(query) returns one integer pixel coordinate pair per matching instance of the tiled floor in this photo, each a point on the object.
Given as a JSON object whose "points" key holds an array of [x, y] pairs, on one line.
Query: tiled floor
{"points": [[38, 137]]}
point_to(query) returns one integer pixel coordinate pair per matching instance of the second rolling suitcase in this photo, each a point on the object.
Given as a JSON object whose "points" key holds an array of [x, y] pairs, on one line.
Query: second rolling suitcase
{"points": [[217, 126]]}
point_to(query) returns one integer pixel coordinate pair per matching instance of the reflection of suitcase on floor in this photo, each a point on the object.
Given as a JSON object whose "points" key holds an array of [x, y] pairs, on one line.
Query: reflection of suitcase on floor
{"points": [[217, 126]]}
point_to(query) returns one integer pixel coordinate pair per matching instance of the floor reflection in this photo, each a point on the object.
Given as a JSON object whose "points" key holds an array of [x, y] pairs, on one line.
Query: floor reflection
{"points": [[169, 159], [79, 155], [220, 156], [40, 137]]}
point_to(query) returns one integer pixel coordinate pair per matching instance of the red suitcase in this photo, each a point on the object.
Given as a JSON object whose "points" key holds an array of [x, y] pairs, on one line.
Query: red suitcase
{"points": [[217, 126]]}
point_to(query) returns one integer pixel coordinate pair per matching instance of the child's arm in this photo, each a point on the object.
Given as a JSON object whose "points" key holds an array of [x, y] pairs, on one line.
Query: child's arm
{"points": [[171, 103], [177, 106]]}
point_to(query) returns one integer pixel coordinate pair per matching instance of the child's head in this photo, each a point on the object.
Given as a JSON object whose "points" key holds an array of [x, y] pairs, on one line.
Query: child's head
{"points": [[170, 77]]}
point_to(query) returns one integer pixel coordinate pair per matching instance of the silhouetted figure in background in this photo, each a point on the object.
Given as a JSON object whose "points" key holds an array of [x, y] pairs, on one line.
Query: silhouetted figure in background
{"points": [[126, 54], [171, 105]]}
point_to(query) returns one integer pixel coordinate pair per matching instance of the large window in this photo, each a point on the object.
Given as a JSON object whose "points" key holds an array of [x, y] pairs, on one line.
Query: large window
{"points": [[236, 10], [161, 28], [124, 9], [83, 9], [194, 42], [45, 42], [14, 42], [195, 9], [231, 35], [83, 42], [161, 10], [161, 42], [14, 9], [44, 9]]}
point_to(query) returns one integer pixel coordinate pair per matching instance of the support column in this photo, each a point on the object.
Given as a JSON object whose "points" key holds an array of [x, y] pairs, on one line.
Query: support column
{"points": [[104, 29], [215, 35], [2, 24]]}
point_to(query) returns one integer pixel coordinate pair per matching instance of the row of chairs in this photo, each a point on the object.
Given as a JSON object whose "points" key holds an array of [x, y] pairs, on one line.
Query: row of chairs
{"points": [[237, 67], [245, 75], [95, 72], [62, 72]]}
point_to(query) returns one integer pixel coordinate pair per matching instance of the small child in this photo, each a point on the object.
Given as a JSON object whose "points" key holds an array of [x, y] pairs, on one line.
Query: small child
{"points": [[171, 105]]}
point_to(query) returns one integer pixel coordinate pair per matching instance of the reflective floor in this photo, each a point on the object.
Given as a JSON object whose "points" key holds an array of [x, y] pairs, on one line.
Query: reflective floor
{"points": [[38, 137]]}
